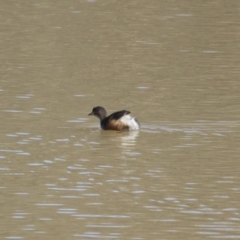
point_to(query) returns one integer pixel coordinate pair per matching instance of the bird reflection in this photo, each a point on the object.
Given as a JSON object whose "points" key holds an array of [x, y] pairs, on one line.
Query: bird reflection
{"points": [[128, 142]]}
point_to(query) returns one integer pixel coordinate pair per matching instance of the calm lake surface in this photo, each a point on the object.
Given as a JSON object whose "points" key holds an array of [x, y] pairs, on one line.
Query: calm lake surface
{"points": [[175, 65]]}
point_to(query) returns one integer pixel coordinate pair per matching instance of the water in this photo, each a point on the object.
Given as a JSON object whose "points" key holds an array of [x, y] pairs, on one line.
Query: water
{"points": [[174, 66]]}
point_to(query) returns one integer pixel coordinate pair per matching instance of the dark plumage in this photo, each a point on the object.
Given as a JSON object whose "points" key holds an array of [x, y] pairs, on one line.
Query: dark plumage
{"points": [[121, 120]]}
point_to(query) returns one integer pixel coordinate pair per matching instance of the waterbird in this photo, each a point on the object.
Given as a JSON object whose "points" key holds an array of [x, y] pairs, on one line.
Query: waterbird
{"points": [[121, 120]]}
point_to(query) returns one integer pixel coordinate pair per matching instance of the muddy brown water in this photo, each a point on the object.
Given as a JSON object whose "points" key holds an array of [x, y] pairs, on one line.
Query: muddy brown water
{"points": [[175, 65]]}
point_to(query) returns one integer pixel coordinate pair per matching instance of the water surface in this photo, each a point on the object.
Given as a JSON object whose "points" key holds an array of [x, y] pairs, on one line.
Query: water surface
{"points": [[174, 65]]}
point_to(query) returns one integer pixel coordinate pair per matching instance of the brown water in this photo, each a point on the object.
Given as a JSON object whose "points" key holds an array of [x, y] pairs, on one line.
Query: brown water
{"points": [[175, 65]]}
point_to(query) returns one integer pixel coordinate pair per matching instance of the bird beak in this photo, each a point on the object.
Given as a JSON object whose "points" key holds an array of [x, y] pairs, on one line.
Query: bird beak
{"points": [[91, 114]]}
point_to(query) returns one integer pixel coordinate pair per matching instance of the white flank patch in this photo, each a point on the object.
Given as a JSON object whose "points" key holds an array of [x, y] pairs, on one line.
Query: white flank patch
{"points": [[130, 122]]}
